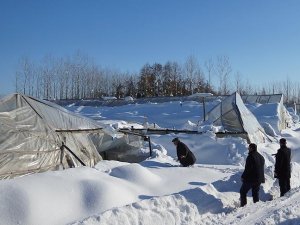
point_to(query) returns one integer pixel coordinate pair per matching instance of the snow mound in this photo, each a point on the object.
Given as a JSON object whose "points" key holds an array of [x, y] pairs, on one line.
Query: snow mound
{"points": [[107, 165], [79, 109], [158, 151], [295, 118], [13, 208], [208, 127], [190, 126], [128, 98], [135, 173], [184, 208], [284, 210], [168, 210]]}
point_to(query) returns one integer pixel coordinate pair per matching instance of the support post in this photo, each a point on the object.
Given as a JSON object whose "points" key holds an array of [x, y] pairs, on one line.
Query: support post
{"points": [[62, 154], [147, 138], [203, 103]]}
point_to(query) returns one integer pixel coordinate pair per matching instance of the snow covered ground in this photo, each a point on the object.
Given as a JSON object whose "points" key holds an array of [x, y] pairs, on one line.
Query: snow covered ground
{"points": [[157, 190]]}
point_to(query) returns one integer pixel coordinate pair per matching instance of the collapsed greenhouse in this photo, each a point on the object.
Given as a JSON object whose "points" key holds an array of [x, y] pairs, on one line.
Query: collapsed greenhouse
{"points": [[232, 114], [37, 136], [270, 109]]}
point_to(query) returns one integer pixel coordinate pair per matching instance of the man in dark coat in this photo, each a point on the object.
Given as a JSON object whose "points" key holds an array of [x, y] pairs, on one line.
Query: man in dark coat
{"points": [[184, 154], [253, 175], [283, 167]]}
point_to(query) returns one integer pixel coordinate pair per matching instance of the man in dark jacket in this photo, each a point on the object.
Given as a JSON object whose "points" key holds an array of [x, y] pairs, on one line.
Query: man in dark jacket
{"points": [[253, 175], [184, 154], [283, 167]]}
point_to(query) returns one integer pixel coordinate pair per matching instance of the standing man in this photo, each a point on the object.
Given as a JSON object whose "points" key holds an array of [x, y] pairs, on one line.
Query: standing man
{"points": [[253, 175], [283, 167], [184, 154]]}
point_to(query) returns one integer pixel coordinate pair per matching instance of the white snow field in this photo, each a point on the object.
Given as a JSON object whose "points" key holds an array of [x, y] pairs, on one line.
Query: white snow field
{"points": [[157, 190]]}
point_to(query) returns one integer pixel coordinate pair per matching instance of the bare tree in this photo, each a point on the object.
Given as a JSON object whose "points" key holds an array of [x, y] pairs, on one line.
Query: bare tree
{"points": [[238, 82], [145, 80], [297, 92], [191, 68], [287, 89], [200, 84], [118, 84], [46, 76], [167, 78], [223, 69], [158, 73], [131, 85], [176, 72], [209, 66], [25, 76], [248, 90], [77, 77], [18, 82]]}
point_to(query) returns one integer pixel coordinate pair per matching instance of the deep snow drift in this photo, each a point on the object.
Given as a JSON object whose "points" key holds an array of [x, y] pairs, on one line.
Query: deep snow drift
{"points": [[157, 190]]}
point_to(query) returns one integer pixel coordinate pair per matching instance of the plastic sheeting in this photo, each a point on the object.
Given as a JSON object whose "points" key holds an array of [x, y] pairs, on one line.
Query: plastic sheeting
{"points": [[276, 98], [234, 116], [285, 120], [32, 133]]}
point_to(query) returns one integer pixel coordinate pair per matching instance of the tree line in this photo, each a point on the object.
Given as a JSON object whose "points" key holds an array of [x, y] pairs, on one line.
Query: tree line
{"points": [[78, 77]]}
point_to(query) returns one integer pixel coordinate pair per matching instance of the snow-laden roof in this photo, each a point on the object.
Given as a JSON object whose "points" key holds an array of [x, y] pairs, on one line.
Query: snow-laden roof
{"points": [[32, 133], [234, 116]]}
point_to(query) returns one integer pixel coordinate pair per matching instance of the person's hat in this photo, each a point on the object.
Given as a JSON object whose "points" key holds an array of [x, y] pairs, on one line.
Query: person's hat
{"points": [[282, 141], [253, 146], [175, 139]]}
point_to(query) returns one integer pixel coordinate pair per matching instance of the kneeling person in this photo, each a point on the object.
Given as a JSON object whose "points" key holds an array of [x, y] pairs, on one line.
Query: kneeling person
{"points": [[184, 154]]}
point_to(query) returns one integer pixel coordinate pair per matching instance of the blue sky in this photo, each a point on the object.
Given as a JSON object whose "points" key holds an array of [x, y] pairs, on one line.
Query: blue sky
{"points": [[261, 38]]}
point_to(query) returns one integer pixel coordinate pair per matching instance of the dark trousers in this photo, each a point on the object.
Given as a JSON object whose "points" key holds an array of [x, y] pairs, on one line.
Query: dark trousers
{"points": [[185, 162], [246, 186], [285, 186]]}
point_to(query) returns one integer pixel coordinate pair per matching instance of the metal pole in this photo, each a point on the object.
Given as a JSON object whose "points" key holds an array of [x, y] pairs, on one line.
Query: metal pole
{"points": [[147, 138], [66, 147], [62, 154], [203, 103], [150, 146]]}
